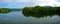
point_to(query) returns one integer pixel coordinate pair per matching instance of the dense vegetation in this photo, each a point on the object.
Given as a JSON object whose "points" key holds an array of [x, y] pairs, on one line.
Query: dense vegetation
{"points": [[39, 10], [4, 10], [7, 10]]}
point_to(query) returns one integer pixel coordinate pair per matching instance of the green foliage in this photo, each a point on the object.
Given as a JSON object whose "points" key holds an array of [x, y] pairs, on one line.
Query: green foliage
{"points": [[39, 10], [4, 10]]}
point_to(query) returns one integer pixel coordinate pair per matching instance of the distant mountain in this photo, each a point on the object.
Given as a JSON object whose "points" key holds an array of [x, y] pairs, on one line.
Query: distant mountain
{"points": [[15, 9]]}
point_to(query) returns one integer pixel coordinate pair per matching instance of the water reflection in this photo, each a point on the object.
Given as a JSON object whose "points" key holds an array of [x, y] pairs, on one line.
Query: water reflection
{"points": [[14, 17], [40, 15]]}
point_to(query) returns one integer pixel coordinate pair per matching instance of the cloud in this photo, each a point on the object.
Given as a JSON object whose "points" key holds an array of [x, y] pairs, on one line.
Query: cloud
{"points": [[47, 2], [23, 3]]}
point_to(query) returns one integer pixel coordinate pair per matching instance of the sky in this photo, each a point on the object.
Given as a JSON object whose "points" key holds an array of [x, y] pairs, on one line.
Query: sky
{"points": [[27, 3]]}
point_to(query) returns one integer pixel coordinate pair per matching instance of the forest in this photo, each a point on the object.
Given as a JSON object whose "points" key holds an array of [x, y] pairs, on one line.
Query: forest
{"points": [[4, 10], [41, 10]]}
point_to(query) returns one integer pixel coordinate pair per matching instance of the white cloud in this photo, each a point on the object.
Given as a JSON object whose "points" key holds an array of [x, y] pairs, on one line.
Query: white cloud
{"points": [[47, 2]]}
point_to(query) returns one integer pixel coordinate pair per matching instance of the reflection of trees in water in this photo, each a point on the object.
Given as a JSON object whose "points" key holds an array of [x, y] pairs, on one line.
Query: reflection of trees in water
{"points": [[40, 15], [4, 12]]}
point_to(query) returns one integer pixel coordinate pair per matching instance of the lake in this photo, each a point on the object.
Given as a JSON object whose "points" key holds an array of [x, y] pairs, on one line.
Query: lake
{"points": [[17, 17]]}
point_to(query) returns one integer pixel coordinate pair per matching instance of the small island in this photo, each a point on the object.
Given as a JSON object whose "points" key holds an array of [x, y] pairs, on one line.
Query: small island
{"points": [[4, 10], [7, 10]]}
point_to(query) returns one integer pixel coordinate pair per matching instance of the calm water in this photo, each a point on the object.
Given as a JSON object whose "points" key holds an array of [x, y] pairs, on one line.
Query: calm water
{"points": [[18, 18]]}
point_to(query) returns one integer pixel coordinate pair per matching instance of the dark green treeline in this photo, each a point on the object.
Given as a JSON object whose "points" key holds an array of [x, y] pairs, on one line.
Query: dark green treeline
{"points": [[42, 11]]}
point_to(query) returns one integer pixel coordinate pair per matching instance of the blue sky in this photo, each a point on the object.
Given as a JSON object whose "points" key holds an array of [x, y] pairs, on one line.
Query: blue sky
{"points": [[24, 3]]}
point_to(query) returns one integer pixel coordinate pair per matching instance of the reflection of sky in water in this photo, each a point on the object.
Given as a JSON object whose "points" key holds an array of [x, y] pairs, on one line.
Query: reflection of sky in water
{"points": [[17, 17]]}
